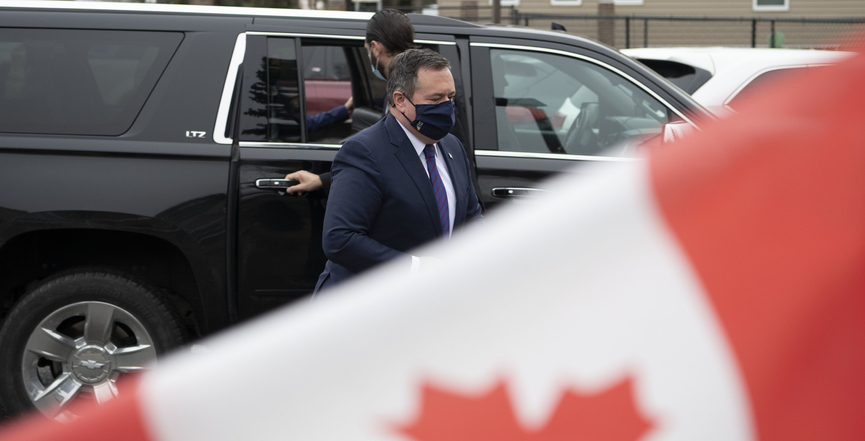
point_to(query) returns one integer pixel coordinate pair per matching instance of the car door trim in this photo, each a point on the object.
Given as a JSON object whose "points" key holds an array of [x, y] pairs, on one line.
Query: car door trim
{"points": [[305, 35], [288, 145], [593, 61], [228, 90], [556, 156], [339, 37], [441, 43]]}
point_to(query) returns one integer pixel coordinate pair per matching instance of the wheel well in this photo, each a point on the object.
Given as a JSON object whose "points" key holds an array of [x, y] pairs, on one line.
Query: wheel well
{"points": [[31, 257]]}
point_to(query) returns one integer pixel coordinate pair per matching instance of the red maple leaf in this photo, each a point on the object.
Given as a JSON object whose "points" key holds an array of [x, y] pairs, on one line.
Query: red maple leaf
{"points": [[607, 416]]}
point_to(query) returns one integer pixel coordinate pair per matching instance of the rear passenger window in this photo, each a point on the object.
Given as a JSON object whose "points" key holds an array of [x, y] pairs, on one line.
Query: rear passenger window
{"points": [[271, 100], [78, 82], [327, 87], [547, 103], [335, 70]]}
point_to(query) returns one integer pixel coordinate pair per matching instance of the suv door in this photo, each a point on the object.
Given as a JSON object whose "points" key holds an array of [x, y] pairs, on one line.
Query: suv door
{"points": [[289, 79], [541, 110], [279, 255]]}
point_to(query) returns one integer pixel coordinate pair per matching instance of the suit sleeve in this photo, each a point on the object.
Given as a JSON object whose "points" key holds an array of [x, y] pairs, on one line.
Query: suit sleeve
{"points": [[473, 205], [325, 181], [355, 200], [324, 120]]}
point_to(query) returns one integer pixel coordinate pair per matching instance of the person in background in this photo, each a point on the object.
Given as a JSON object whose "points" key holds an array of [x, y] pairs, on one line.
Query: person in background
{"points": [[388, 33], [333, 116]]}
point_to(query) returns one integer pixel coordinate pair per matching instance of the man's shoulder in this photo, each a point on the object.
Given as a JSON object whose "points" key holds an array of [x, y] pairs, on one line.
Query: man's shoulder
{"points": [[368, 145], [374, 135]]}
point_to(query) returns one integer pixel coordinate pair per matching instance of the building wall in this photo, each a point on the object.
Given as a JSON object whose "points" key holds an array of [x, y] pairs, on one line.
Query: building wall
{"points": [[658, 32], [713, 8]]}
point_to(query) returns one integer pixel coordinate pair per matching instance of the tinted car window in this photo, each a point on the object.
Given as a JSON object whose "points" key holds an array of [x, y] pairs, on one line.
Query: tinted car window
{"points": [[548, 103], [76, 82], [327, 85], [271, 102], [325, 63]]}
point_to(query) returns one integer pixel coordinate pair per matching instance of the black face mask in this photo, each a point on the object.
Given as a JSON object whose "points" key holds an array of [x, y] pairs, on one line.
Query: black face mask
{"points": [[434, 121]]}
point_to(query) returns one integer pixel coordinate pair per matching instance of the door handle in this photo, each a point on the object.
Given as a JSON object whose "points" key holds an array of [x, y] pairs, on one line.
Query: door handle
{"points": [[275, 183], [511, 192]]}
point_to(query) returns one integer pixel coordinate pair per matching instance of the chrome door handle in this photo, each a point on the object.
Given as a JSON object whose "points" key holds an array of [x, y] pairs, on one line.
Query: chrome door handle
{"points": [[510, 192], [275, 183]]}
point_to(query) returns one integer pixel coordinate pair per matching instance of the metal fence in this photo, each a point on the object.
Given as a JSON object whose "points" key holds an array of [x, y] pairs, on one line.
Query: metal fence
{"points": [[626, 31]]}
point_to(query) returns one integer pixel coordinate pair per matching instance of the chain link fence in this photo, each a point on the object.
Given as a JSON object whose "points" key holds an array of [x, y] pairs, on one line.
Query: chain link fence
{"points": [[627, 31]]}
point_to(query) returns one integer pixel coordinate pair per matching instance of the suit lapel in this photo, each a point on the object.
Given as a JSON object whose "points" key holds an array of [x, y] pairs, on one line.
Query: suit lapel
{"points": [[408, 157]]}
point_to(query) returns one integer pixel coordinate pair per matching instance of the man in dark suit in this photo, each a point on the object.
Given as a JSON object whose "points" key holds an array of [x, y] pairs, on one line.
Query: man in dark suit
{"points": [[404, 181]]}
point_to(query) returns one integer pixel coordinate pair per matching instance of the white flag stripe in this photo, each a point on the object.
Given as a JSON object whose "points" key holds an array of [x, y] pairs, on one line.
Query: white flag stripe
{"points": [[576, 290]]}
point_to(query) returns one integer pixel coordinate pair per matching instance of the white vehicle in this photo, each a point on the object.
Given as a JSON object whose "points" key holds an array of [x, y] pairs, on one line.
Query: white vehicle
{"points": [[720, 77]]}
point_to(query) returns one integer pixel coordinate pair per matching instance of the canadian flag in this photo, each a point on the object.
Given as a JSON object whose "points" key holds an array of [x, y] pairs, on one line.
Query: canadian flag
{"points": [[713, 292]]}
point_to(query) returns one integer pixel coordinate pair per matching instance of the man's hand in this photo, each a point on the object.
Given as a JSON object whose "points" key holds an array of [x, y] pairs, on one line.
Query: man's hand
{"points": [[307, 182], [349, 105]]}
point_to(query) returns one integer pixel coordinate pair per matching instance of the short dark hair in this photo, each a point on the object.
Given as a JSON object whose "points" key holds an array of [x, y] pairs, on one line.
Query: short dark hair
{"points": [[392, 29], [402, 73]]}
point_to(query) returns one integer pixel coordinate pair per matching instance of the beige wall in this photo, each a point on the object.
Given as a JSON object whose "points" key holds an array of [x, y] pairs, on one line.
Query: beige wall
{"points": [[696, 33], [723, 8]]}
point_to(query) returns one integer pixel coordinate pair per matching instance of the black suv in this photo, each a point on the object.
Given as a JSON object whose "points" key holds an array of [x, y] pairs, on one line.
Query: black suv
{"points": [[138, 144]]}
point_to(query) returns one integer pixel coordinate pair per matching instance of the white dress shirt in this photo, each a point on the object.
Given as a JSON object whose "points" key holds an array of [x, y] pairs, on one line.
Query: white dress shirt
{"points": [[446, 180], [443, 172]]}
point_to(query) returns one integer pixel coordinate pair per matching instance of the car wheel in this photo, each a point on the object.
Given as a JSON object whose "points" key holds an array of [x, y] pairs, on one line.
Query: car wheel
{"points": [[71, 338]]}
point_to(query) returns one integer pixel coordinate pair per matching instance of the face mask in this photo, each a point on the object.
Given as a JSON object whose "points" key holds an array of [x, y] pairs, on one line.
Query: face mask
{"points": [[375, 70], [434, 121]]}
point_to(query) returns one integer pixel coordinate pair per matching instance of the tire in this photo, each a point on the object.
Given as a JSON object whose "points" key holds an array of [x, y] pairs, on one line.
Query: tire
{"points": [[71, 338]]}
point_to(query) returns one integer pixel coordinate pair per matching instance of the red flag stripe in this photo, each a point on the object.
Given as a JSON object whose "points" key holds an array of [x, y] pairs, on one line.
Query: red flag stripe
{"points": [[776, 236]]}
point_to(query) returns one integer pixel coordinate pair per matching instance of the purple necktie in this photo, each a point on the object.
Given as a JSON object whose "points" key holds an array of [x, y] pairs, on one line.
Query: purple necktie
{"points": [[438, 187]]}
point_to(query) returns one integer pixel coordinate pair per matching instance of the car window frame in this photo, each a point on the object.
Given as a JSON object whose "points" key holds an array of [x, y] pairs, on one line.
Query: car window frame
{"points": [[224, 109]]}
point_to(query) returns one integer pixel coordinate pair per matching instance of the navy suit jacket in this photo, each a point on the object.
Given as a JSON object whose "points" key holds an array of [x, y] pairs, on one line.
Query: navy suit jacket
{"points": [[381, 202]]}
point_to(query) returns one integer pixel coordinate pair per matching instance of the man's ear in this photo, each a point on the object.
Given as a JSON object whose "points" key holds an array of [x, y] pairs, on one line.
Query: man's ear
{"points": [[375, 47], [399, 101]]}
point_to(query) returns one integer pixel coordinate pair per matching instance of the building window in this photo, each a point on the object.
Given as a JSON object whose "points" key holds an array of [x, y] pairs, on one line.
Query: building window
{"points": [[508, 2], [580, 2], [771, 5]]}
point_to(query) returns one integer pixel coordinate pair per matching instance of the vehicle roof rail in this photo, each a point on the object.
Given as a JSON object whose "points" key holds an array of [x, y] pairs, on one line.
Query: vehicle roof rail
{"points": [[423, 19]]}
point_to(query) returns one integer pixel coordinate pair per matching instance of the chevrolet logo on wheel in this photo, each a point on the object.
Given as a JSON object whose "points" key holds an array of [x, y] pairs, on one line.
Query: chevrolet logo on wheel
{"points": [[90, 364]]}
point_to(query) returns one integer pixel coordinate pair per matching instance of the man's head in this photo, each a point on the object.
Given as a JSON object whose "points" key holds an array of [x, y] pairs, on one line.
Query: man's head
{"points": [[388, 33], [419, 79]]}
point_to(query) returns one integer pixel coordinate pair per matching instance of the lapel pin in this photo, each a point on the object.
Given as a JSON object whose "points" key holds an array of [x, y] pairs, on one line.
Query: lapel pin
{"points": [[451, 156]]}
